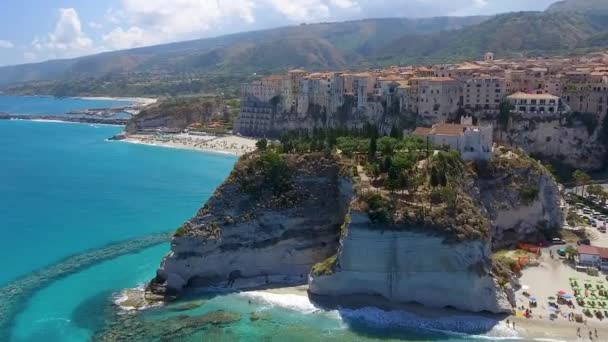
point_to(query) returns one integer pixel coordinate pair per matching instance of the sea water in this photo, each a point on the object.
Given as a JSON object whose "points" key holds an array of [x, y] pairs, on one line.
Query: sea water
{"points": [[49, 105], [67, 191]]}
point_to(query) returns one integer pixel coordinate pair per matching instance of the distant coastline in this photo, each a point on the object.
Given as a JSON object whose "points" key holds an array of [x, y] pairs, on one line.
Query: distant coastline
{"points": [[140, 101]]}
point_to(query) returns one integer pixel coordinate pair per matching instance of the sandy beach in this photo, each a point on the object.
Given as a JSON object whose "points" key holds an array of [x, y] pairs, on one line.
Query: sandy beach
{"points": [[140, 101], [229, 144], [535, 329]]}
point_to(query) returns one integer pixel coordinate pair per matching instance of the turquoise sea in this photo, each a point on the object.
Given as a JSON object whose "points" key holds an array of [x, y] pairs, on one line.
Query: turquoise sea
{"points": [[80, 219]]}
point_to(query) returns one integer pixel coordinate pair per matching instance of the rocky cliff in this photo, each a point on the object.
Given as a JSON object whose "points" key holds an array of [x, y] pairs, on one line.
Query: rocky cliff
{"points": [[573, 140], [177, 114], [521, 197], [279, 216], [408, 266], [260, 228]]}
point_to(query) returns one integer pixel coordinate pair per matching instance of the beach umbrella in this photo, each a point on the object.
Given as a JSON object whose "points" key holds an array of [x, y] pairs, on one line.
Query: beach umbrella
{"points": [[532, 299], [551, 298], [525, 287], [567, 297], [561, 292]]}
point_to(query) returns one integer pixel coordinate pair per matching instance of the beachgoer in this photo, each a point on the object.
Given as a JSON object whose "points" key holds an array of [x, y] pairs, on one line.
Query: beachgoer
{"points": [[590, 335], [513, 325], [595, 333], [578, 331]]}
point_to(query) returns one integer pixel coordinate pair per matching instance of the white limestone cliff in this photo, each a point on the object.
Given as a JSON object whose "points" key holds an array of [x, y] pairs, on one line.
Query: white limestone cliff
{"points": [[406, 266]]}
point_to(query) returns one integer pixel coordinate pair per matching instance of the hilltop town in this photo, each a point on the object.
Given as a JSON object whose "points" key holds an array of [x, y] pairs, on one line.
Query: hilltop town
{"points": [[550, 107]]}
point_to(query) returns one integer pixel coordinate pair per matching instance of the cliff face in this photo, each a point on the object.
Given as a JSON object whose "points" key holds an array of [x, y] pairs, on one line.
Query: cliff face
{"points": [[177, 114], [521, 198], [406, 266], [262, 227], [243, 238], [570, 144]]}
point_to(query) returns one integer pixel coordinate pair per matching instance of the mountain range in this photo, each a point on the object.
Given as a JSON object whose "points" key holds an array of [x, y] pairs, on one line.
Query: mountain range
{"points": [[221, 63]]}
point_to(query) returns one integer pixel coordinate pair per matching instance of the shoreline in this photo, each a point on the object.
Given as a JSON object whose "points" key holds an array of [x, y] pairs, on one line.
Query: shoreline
{"points": [[227, 145], [139, 101], [375, 310]]}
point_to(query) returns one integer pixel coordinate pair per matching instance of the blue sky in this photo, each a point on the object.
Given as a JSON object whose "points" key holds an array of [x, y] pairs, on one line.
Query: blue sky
{"points": [[38, 30]]}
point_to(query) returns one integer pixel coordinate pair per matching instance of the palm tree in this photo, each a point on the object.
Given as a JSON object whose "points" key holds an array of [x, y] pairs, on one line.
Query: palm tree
{"points": [[571, 252], [581, 179]]}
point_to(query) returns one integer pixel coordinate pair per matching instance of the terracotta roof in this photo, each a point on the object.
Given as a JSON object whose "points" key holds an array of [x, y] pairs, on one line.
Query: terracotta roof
{"points": [[448, 129], [589, 250], [423, 131]]}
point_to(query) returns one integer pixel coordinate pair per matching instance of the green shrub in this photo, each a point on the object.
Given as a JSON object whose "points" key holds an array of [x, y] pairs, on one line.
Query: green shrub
{"points": [[325, 267], [379, 209], [181, 231], [528, 194]]}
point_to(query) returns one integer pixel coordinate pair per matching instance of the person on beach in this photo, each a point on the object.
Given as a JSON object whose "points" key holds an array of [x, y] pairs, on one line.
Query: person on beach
{"points": [[578, 331], [595, 333]]}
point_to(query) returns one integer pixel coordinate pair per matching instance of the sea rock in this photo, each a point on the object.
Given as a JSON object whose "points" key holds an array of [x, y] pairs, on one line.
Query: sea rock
{"points": [[240, 240]]}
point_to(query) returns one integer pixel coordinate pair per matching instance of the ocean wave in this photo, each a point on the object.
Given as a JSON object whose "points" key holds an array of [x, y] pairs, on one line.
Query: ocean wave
{"points": [[481, 327], [287, 301], [473, 327]]}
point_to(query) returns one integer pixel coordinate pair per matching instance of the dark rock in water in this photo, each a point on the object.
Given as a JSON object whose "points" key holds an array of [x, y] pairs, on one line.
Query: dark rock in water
{"points": [[137, 328], [119, 136], [187, 306]]}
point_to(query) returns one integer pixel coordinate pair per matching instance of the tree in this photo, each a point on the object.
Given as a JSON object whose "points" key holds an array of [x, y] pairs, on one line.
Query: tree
{"points": [[595, 190], [504, 114], [371, 154], [581, 179], [571, 252], [387, 145], [262, 144], [396, 133]]}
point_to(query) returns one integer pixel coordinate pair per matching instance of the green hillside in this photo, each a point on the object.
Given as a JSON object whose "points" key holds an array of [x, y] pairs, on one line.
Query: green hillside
{"points": [[512, 34], [579, 6], [221, 64]]}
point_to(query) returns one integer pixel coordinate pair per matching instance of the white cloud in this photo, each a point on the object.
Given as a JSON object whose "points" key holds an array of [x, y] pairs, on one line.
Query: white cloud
{"points": [[154, 21], [133, 37], [95, 25], [66, 40], [5, 44], [302, 10]]}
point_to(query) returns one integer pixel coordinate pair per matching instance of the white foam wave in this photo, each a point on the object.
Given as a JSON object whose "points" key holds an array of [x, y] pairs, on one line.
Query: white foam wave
{"points": [[481, 327], [287, 301]]}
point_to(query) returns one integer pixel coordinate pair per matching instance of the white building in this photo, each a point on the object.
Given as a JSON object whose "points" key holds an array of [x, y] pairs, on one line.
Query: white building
{"points": [[473, 142]]}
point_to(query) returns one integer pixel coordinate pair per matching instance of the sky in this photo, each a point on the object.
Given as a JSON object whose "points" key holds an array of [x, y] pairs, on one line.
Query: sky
{"points": [[39, 30]]}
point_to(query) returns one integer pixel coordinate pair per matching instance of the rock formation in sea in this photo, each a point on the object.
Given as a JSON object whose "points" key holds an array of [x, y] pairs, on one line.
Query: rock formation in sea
{"points": [[319, 218], [246, 236]]}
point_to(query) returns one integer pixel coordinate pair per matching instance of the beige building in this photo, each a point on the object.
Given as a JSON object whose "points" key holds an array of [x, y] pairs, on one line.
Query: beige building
{"points": [[535, 103], [483, 93], [437, 97]]}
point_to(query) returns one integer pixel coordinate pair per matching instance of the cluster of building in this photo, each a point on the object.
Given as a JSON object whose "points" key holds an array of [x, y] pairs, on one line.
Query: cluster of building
{"points": [[432, 94]]}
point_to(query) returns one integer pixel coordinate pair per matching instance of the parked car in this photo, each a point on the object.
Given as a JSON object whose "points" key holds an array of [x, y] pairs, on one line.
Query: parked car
{"points": [[586, 242], [558, 241]]}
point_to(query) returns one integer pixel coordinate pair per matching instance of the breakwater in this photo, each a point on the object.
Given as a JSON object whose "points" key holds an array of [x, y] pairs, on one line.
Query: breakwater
{"points": [[14, 295]]}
